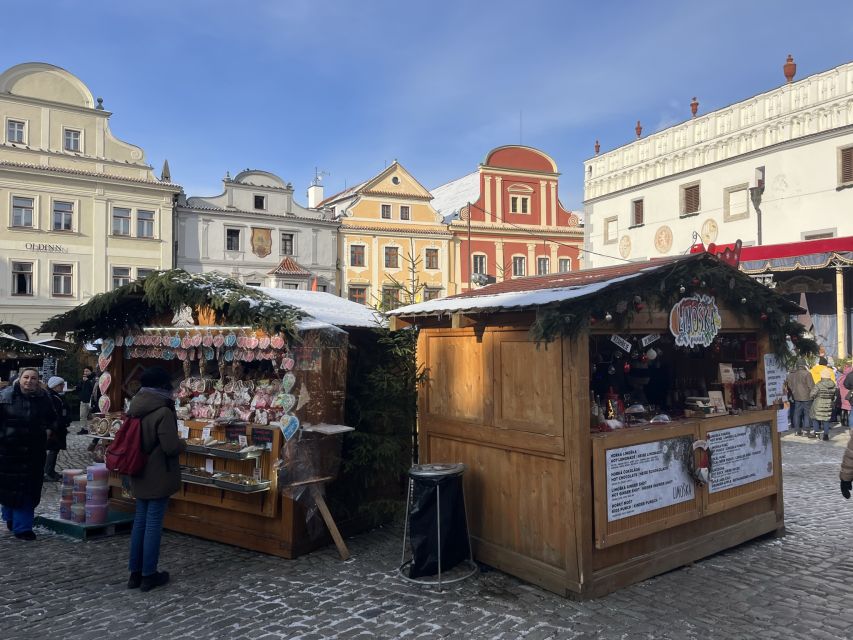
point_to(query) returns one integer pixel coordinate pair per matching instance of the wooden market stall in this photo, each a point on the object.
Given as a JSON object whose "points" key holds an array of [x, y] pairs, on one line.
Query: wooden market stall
{"points": [[16, 354], [261, 388], [583, 405]]}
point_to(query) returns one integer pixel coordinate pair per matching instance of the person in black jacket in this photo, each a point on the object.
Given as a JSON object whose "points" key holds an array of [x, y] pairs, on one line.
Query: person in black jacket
{"points": [[56, 438], [26, 415], [85, 389]]}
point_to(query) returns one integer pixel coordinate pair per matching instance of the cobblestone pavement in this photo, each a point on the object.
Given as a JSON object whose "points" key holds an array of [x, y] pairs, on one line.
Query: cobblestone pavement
{"points": [[798, 586]]}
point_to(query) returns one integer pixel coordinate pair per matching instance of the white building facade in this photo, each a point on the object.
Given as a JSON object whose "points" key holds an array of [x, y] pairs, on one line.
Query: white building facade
{"points": [[775, 168], [255, 232], [80, 211]]}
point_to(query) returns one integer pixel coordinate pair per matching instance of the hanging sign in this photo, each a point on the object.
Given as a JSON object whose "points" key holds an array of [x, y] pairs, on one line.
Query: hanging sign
{"points": [[695, 321], [621, 342], [649, 339], [740, 455]]}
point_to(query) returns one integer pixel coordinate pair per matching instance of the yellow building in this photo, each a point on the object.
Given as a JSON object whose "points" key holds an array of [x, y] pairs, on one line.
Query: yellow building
{"points": [[393, 246], [81, 212]]}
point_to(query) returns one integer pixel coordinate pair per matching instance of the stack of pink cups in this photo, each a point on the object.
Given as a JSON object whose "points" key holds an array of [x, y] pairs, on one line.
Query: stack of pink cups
{"points": [[97, 494], [78, 498], [67, 497]]}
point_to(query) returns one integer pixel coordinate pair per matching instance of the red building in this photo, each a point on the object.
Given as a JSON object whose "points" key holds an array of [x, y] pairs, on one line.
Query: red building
{"points": [[507, 220]]}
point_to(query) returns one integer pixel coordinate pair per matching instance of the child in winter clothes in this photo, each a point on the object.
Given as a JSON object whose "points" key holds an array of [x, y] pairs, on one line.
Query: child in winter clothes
{"points": [[823, 399]]}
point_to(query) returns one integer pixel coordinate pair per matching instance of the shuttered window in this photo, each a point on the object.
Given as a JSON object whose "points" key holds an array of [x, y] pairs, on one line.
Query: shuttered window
{"points": [[637, 217], [847, 165], [690, 201]]}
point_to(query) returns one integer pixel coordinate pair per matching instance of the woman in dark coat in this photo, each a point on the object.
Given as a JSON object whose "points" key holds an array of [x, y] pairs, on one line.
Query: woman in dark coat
{"points": [[58, 437], [26, 415], [155, 408]]}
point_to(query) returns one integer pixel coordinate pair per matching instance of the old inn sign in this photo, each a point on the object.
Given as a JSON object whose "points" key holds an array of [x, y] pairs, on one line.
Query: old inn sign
{"points": [[695, 321]]}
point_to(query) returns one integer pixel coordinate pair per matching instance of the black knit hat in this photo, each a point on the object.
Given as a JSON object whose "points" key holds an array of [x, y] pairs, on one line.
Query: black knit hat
{"points": [[156, 378]]}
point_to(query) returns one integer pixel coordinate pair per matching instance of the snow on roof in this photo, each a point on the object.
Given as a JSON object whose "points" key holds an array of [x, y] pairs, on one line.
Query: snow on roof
{"points": [[326, 308], [38, 343], [448, 198]]}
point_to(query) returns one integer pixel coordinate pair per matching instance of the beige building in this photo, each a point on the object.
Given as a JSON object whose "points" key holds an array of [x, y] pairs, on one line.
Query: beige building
{"points": [[81, 211], [393, 245]]}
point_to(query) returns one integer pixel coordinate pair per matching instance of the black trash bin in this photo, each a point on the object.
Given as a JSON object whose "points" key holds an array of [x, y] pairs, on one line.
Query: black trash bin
{"points": [[436, 524]]}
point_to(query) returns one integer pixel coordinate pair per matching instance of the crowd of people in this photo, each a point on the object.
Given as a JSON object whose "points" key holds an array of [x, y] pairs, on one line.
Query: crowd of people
{"points": [[820, 397]]}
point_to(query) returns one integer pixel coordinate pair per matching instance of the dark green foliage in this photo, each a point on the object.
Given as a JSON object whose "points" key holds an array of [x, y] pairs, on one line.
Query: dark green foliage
{"points": [[382, 407], [703, 274], [142, 302]]}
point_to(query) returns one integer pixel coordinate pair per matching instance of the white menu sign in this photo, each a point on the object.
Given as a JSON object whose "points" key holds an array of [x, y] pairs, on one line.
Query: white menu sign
{"points": [[649, 476], [740, 455], [774, 379]]}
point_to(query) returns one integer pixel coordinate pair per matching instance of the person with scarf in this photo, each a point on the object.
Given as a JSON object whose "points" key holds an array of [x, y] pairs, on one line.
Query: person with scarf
{"points": [[26, 417], [154, 406]]}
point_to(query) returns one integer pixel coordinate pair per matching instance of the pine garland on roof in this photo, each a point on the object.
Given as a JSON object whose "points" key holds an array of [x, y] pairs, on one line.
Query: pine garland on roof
{"points": [[142, 302]]}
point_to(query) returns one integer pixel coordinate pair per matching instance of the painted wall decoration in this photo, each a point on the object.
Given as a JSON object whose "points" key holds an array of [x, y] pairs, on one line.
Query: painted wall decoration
{"points": [[740, 455], [649, 476], [261, 242], [695, 320]]}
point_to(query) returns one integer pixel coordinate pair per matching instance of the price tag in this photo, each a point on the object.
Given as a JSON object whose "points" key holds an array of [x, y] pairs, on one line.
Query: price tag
{"points": [[257, 473], [243, 441], [205, 433], [649, 339], [621, 342], [208, 465], [183, 431]]}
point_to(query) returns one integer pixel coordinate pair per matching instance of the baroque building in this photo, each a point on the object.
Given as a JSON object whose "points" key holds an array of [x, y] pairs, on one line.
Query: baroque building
{"points": [[81, 210], [392, 242], [255, 232], [507, 220]]}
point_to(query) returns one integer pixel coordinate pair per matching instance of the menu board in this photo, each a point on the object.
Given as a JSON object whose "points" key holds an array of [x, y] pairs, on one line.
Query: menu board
{"points": [[774, 379], [740, 455], [649, 476]]}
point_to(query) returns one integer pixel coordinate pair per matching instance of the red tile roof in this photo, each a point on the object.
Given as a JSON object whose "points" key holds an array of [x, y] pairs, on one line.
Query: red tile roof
{"points": [[289, 267], [81, 172]]}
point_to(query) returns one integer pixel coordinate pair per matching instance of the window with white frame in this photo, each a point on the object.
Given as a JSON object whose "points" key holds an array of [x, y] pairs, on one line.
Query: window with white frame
{"points": [[543, 266], [565, 265], [22, 278], [121, 276], [386, 211], [611, 229], [144, 224], [260, 202], [121, 221], [431, 293], [357, 294], [845, 166], [405, 212], [690, 199], [143, 273], [519, 266], [356, 255], [479, 263], [72, 139], [16, 131], [232, 239], [736, 202], [63, 216], [287, 244], [519, 204], [392, 257], [431, 258], [22, 211], [637, 212], [62, 277]]}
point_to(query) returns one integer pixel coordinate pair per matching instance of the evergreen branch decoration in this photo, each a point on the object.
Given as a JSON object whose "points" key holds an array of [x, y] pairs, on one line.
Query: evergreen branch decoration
{"points": [[142, 302], [23, 348], [702, 274]]}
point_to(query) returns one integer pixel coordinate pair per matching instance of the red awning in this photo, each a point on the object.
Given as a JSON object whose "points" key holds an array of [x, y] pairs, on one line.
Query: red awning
{"points": [[789, 256]]}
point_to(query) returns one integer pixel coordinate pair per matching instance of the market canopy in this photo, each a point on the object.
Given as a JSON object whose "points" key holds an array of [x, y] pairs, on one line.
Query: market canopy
{"points": [[148, 300], [790, 256], [11, 344]]}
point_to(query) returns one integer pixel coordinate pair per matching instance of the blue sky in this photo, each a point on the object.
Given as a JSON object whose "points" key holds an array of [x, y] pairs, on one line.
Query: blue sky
{"points": [[349, 86]]}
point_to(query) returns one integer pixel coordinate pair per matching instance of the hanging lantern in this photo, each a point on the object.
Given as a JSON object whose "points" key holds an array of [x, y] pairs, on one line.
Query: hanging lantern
{"points": [[608, 317]]}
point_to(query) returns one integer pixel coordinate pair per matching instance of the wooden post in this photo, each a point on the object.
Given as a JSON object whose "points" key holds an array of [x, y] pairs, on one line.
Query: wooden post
{"points": [[330, 522], [839, 313]]}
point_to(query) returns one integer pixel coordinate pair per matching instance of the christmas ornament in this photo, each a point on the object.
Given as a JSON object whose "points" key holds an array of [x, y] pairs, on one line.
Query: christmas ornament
{"points": [[681, 289], [627, 367], [608, 317]]}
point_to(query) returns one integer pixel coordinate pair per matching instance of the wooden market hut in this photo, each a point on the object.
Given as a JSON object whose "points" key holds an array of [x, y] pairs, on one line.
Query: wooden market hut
{"points": [[16, 354], [315, 326], [513, 368]]}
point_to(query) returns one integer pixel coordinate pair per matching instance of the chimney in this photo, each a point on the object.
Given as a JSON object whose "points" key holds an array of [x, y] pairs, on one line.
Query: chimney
{"points": [[789, 69], [639, 130], [694, 106], [315, 194]]}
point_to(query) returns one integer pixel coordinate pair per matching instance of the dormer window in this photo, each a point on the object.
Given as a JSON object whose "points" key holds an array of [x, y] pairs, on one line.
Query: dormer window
{"points": [[260, 202], [519, 198], [72, 140]]}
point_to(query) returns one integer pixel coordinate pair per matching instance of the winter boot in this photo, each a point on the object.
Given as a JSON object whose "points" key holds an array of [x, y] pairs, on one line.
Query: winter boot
{"points": [[154, 580]]}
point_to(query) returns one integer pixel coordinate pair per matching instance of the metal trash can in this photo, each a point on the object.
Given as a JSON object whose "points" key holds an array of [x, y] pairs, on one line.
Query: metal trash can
{"points": [[436, 525]]}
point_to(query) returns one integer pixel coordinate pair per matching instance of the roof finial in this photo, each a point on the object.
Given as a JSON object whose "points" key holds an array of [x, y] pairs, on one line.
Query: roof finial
{"points": [[165, 174], [639, 129], [100, 106], [597, 146], [789, 69], [227, 176], [694, 106]]}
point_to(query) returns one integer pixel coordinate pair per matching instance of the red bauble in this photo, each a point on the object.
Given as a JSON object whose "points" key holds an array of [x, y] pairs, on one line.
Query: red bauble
{"points": [[626, 368], [764, 316], [640, 306], [695, 281], [592, 320]]}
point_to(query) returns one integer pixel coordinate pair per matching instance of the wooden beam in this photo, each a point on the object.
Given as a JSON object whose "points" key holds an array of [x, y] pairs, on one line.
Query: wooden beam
{"points": [[395, 323], [461, 321]]}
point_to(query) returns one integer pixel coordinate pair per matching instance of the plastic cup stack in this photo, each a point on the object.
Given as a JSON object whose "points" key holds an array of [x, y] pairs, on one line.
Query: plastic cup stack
{"points": [[67, 496], [97, 494]]}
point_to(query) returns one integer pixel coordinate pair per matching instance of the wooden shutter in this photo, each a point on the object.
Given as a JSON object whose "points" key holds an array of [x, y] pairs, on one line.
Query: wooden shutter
{"points": [[638, 212], [847, 165], [691, 199]]}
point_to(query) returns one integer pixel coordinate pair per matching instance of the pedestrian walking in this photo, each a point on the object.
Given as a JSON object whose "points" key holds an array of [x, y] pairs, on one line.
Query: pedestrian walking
{"points": [[799, 384], [57, 437], [843, 392], [155, 408], [26, 414], [823, 397], [821, 366], [84, 391], [846, 474]]}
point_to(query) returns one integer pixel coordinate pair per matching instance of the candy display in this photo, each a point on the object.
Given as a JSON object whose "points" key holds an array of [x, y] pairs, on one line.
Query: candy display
{"points": [[261, 401]]}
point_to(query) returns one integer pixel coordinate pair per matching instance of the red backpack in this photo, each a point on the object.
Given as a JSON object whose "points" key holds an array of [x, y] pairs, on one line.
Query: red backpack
{"points": [[125, 454]]}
